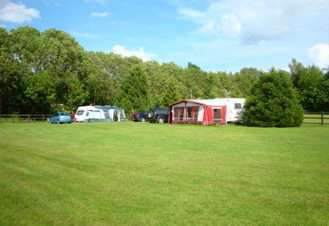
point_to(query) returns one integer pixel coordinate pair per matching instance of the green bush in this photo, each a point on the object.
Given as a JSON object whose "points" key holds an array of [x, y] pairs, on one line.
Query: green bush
{"points": [[273, 102]]}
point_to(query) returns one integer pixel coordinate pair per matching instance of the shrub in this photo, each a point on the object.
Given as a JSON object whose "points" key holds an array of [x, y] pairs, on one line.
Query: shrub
{"points": [[273, 102]]}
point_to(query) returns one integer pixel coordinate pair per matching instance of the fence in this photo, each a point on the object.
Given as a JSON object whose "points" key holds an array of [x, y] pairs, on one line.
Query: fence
{"points": [[309, 117], [316, 118], [23, 117]]}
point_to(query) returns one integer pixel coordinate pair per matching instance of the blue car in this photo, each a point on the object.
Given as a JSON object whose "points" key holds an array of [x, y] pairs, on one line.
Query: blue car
{"points": [[139, 116], [60, 117]]}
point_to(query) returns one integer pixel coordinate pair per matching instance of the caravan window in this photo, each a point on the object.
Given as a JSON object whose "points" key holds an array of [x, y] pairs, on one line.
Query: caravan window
{"points": [[80, 112], [237, 106], [179, 113], [192, 112]]}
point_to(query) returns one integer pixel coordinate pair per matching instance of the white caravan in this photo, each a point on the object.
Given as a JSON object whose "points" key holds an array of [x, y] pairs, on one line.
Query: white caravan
{"points": [[234, 108], [99, 113]]}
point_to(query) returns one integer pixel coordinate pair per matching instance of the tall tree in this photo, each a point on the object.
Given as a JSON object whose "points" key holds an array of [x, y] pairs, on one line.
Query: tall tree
{"points": [[273, 102], [134, 91], [244, 80]]}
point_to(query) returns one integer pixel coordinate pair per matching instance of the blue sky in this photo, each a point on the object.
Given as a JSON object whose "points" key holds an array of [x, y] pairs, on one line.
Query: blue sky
{"points": [[214, 34]]}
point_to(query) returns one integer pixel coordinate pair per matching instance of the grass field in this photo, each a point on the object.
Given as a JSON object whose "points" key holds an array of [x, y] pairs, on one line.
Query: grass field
{"points": [[145, 174]]}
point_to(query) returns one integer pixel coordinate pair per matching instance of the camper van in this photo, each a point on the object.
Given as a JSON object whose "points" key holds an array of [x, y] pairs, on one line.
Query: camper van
{"points": [[99, 113]]}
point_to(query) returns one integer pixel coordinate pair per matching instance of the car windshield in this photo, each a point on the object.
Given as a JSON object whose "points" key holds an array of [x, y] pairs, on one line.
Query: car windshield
{"points": [[161, 111], [64, 114]]}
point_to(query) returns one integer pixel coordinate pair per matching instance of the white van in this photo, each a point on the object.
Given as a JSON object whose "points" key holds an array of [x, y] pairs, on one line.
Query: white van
{"points": [[99, 113]]}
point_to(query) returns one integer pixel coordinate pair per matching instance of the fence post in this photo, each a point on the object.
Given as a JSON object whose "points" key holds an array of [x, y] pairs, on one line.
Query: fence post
{"points": [[322, 118]]}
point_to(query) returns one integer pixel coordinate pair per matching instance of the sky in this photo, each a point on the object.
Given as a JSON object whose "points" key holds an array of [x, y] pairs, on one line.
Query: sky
{"points": [[217, 35]]}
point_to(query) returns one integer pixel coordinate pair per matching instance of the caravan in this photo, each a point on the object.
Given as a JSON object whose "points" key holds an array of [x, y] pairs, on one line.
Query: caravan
{"points": [[99, 113], [207, 112]]}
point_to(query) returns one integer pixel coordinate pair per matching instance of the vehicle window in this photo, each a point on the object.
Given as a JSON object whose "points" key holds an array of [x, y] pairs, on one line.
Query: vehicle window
{"points": [[65, 114], [56, 114], [80, 112], [161, 111], [237, 106]]}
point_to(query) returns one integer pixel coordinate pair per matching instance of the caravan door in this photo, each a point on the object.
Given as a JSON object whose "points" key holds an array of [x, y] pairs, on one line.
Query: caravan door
{"points": [[217, 114]]}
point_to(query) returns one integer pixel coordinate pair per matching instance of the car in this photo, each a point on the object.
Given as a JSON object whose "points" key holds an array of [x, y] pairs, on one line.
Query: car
{"points": [[158, 115], [60, 117], [139, 116]]}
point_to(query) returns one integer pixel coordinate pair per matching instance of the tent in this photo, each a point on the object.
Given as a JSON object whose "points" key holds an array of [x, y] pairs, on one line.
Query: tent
{"points": [[206, 112]]}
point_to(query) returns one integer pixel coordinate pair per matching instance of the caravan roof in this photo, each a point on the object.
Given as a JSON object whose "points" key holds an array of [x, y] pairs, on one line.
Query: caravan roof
{"points": [[213, 102]]}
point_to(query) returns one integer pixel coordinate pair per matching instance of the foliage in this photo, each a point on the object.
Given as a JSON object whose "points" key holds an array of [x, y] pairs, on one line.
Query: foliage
{"points": [[46, 71], [311, 84], [134, 91], [273, 102]]}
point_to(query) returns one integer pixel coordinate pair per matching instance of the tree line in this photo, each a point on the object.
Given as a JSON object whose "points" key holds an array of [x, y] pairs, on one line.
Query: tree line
{"points": [[44, 72]]}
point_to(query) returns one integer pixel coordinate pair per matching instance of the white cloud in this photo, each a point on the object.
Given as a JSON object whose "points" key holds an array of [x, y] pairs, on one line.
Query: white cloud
{"points": [[16, 12], [84, 35], [100, 14], [195, 15], [230, 25], [140, 53], [258, 20], [319, 54]]}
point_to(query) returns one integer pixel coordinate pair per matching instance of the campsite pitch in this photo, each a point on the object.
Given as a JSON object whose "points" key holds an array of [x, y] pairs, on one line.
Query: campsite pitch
{"points": [[148, 174]]}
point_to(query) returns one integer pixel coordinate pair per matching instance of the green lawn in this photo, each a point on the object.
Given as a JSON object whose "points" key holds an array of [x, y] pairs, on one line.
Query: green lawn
{"points": [[146, 174]]}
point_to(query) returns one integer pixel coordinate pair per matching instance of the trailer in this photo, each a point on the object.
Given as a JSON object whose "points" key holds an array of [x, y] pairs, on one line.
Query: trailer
{"points": [[99, 113]]}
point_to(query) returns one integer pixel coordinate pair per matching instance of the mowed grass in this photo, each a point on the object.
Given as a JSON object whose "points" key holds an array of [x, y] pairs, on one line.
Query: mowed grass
{"points": [[146, 174]]}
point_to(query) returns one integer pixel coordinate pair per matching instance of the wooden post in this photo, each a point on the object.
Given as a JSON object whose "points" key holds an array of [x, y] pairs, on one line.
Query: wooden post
{"points": [[322, 118]]}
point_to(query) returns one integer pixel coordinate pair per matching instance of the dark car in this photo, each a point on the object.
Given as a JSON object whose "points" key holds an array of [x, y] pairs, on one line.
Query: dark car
{"points": [[139, 116], [60, 117], [158, 115]]}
